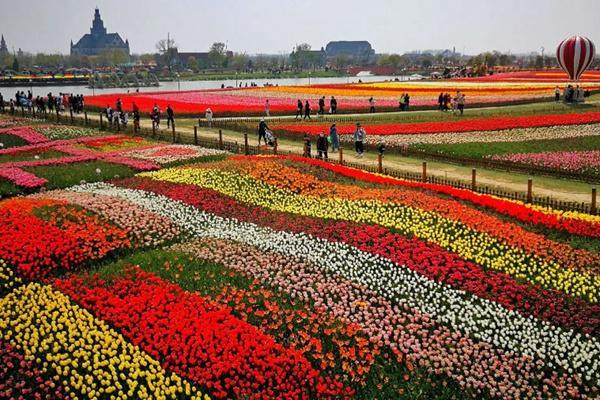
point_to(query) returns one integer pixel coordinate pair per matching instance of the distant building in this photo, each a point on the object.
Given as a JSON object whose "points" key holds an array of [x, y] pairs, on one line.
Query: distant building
{"points": [[98, 40], [3, 48], [358, 51], [309, 58]]}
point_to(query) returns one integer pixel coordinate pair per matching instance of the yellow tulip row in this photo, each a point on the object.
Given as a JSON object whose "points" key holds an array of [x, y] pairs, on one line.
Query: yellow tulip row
{"points": [[472, 245], [87, 357]]}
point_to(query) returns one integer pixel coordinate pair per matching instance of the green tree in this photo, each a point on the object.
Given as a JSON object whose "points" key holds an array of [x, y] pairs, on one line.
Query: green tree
{"points": [[192, 63], [15, 65], [217, 56]]}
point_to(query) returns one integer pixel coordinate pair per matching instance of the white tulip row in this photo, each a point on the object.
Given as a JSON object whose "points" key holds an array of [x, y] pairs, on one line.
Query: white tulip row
{"points": [[482, 319]]}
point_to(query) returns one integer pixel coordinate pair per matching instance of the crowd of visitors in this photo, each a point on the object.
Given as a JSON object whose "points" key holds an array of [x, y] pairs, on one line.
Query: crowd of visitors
{"points": [[456, 102]]}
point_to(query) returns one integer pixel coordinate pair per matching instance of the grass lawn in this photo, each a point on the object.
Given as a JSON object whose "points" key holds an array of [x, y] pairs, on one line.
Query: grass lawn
{"points": [[8, 189], [11, 141], [30, 156], [61, 176], [480, 150]]}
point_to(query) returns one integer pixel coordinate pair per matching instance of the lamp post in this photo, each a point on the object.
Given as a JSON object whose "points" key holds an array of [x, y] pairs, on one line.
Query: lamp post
{"points": [[543, 63], [31, 85], [236, 79], [178, 81], [309, 73]]}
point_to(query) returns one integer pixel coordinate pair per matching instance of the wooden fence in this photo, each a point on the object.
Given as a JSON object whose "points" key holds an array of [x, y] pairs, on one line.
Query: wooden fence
{"points": [[244, 147]]}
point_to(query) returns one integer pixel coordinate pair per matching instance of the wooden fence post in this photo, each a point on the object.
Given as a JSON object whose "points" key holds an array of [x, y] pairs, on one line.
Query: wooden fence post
{"points": [[220, 139], [71, 114], [246, 152], [473, 179], [85, 118], [57, 115], [101, 121], [380, 163], [593, 208], [22, 112], [33, 111], [173, 130], [196, 135], [530, 190], [424, 173], [341, 156]]}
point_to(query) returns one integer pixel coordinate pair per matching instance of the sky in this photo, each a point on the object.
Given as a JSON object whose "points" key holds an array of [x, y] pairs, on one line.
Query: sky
{"points": [[275, 26]]}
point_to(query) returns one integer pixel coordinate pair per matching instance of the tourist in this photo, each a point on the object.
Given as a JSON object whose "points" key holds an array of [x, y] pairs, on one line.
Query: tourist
{"points": [[557, 93], [136, 117], [406, 101], [334, 138], [322, 146], [209, 117], [299, 109], [359, 137], [109, 113], [322, 105], [170, 116], [155, 116], [262, 131], [307, 110], [371, 105], [441, 101], [455, 103], [461, 102], [12, 106], [307, 146], [267, 108], [119, 105], [50, 102], [401, 103], [333, 105]]}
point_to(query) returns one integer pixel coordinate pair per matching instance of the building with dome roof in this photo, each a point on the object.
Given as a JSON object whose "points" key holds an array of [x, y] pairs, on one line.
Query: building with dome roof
{"points": [[98, 40]]}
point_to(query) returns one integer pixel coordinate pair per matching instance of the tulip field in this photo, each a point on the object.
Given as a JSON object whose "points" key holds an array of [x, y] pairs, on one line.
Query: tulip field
{"points": [[182, 272], [351, 97]]}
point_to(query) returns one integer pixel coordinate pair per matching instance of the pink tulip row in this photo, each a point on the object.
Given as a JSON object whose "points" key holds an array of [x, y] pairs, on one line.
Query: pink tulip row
{"points": [[565, 160], [26, 133]]}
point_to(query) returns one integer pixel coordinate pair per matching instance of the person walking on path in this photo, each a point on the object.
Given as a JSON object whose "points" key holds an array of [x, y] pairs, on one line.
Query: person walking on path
{"points": [[333, 105], [170, 116], [322, 146], [359, 138], [557, 94], [299, 109], [209, 117], [461, 102], [307, 145], [406, 101], [401, 103], [371, 105], [136, 117], [262, 131], [156, 116], [322, 105], [441, 101], [334, 138], [267, 108], [307, 110]]}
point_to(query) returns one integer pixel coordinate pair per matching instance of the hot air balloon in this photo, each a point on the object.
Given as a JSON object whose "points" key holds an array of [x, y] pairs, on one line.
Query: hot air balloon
{"points": [[574, 55]]}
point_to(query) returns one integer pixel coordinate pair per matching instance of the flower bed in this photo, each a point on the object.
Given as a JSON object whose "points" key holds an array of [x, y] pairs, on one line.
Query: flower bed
{"points": [[578, 161], [284, 277], [468, 125]]}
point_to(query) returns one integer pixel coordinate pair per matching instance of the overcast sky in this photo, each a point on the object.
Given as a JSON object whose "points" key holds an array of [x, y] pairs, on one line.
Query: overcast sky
{"points": [[275, 26]]}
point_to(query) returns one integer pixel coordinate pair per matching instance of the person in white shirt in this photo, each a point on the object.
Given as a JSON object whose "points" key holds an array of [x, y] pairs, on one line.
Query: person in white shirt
{"points": [[209, 117]]}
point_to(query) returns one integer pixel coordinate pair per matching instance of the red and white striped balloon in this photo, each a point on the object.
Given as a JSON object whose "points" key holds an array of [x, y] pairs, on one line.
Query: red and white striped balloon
{"points": [[575, 54]]}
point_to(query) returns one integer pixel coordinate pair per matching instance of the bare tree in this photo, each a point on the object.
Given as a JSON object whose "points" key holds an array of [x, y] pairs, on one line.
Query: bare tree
{"points": [[167, 48]]}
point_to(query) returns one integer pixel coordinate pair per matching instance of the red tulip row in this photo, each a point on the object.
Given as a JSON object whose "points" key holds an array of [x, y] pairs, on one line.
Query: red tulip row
{"points": [[60, 238], [200, 340], [425, 258], [467, 125], [510, 208]]}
